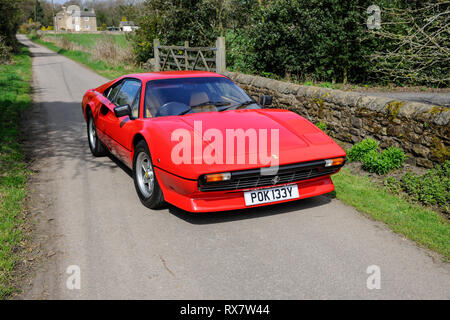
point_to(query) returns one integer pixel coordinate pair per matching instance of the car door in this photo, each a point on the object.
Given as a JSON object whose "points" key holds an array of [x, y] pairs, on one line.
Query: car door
{"points": [[120, 131], [105, 112]]}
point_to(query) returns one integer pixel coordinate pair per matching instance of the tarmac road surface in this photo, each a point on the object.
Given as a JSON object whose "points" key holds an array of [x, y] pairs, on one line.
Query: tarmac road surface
{"points": [[88, 215]]}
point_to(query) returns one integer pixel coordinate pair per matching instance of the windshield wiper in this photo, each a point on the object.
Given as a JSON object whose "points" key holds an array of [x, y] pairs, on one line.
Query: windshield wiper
{"points": [[243, 104], [207, 103], [211, 103]]}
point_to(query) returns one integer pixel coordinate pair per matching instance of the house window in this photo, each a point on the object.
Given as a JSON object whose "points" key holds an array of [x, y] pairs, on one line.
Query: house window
{"points": [[87, 27], [86, 18]]}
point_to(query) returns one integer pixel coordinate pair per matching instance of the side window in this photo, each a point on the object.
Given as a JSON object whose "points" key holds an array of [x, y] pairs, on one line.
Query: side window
{"points": [[127, 95], [151, 103], [111, 92], [106, 92], [135, 106]]}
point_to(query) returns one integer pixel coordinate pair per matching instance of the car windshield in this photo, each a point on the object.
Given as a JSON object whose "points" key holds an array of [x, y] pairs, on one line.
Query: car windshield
{"points": [[190, 95]]}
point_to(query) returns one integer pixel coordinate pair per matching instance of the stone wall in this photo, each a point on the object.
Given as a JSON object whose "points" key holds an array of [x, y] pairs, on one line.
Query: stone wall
{"points": [[421, 130]]}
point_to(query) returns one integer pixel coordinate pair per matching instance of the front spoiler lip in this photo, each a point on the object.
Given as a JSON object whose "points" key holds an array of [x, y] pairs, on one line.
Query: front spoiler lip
{"points": [[234, 200]]}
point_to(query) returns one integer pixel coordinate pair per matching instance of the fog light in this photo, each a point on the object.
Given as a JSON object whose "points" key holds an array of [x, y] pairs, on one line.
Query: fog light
{"points": [[334, 162], [218, 177]]}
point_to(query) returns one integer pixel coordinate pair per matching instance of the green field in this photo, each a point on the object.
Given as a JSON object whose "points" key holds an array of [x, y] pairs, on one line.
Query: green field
{"points": [[89, 40], [101, 67], [14, 99]]}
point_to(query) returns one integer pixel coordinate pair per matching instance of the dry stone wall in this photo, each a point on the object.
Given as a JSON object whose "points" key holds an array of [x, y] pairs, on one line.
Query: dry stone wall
{"points": [[421, 130]]}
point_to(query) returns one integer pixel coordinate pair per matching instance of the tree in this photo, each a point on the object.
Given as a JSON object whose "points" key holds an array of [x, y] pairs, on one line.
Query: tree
{"points": [[415, 44], [110, 12], [44, 11], [10, 14], [318, 39], [37, 14], [198, 21]]}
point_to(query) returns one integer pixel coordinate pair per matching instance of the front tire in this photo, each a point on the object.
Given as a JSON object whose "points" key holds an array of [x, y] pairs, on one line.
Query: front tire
{"points": [[96, 146], [145, 182]]}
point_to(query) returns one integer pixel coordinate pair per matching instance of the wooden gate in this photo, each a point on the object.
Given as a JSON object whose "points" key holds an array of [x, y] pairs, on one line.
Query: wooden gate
{"points": [[190, 58]]}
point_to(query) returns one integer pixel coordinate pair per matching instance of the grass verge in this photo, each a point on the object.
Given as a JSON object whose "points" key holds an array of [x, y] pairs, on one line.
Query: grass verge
{"points": [[419, 224], [101, 67], [14, 99]]}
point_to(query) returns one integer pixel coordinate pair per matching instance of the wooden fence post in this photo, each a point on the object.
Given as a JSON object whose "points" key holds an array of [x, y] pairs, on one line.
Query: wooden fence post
{"points": [[156, 54], [186, 56], [220, 55]]}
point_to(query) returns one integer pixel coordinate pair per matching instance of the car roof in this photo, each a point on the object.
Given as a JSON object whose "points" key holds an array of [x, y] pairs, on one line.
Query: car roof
{"points": [[148, 76]]}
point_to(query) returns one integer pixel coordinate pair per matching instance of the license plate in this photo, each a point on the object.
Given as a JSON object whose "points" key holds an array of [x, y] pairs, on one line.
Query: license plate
{"points": [[271, 195]]}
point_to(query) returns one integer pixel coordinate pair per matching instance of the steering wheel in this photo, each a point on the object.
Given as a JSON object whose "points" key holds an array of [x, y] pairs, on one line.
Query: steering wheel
{"points": [[172, 108]]}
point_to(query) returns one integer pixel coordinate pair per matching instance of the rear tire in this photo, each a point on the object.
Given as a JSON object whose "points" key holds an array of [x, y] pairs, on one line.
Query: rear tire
{"points": [[145, 182], [96, 146]]}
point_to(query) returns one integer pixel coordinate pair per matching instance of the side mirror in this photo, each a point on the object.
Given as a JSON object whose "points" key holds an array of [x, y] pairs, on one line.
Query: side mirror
{"points": [[122, 111], [265, 100]]}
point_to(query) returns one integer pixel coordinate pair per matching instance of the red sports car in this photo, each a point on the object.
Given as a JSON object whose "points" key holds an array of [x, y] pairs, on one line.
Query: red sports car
{"points": [[198, 141]]}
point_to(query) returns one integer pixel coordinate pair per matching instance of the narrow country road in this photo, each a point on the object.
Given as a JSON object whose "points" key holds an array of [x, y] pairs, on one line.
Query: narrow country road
{"points": [[88, 214]]}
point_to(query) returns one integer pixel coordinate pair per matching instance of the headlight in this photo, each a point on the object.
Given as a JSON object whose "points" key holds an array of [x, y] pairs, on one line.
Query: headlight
{"points": [[218, 177], [334, 162]]}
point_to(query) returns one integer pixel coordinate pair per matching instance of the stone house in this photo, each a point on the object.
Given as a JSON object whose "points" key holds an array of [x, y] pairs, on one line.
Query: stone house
{"points": [[74, 20]]}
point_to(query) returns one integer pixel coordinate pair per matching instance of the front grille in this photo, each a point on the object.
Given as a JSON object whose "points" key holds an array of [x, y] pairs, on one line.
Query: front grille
{"points": [[286, 174]]}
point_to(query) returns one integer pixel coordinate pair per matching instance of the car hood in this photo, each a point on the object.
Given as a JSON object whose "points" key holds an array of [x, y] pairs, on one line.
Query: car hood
{"points": [[298, 140]]}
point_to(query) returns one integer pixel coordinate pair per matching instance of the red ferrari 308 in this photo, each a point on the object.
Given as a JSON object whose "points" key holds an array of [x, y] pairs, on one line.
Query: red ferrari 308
{"points": [[198, 141]]}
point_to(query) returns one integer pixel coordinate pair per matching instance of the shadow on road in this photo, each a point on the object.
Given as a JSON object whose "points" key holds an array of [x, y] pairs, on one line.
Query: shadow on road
{"points": [[57, 132], [248, 213], [43, 54], [30, 44]]}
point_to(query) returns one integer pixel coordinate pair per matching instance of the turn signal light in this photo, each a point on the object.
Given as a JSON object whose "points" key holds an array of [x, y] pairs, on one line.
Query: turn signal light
{"points": [[218, 177], [334, 162]]}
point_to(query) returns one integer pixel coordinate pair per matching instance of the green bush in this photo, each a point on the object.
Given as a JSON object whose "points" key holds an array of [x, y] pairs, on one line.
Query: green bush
{"points": [[395, 157], [5, 51], [373, 161], [366, 151], [316, 39], [381, 163], [431, 188], [393, 185], [237, 59], [360, 149]]}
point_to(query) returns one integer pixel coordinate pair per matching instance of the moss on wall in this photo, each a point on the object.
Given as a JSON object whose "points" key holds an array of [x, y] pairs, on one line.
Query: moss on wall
{"points": [[435, 110], [393, 108], [439, 152]]}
